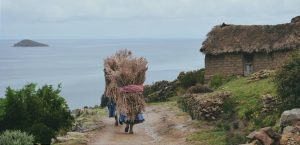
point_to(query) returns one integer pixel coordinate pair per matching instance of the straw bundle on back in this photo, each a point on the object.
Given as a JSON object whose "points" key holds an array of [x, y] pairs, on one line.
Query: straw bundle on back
{"points": [[124, 77]]}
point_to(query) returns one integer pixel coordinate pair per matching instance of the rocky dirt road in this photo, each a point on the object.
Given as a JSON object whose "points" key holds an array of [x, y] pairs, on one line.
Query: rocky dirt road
{"points": [[165, 124]]}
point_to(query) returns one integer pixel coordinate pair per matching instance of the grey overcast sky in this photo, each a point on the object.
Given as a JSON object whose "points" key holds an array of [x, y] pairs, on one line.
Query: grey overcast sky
{"points": [[114, 19]]}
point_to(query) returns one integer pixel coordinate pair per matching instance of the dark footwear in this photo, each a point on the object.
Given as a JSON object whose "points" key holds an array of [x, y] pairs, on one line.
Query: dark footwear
{"points": [[121, 123], [131, 132], [116, 122], [126, 129]]}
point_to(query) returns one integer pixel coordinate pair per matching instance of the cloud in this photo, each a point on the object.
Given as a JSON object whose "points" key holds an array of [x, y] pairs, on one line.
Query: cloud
{"points": [[64, 10], [134, 18]]}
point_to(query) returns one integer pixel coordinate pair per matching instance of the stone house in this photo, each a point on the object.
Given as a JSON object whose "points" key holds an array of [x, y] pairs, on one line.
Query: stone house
{"points": [[244, 49]]}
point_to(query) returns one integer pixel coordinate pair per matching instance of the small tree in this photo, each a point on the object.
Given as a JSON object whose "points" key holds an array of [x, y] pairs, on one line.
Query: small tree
{"points": [[191, 78], [287, 80], [2, 113], [41, 112]]}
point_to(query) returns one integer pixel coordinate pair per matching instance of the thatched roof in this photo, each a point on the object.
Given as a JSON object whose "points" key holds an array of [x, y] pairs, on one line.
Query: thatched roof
{"points": [[252, 38]]}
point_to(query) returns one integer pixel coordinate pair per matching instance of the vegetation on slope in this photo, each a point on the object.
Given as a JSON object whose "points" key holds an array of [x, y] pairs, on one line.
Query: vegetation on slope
{"points": [[287, 83], [209, 137], [15, 137], [246, 96], [41, 112], [242, 111]]}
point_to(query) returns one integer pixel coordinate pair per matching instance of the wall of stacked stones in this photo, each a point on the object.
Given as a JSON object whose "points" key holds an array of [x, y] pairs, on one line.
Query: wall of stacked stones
{"points": [[225, 64], [273, 60], [233, 64]]}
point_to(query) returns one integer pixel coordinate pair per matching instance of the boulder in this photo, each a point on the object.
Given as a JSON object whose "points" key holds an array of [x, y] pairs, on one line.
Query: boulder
{"points": [[293, 129], [251, 135], [290, 139], [290, 116], [264, 136], [271, 133]]}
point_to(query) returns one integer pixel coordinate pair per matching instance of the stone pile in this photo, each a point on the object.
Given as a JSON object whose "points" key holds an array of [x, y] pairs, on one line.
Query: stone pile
{"points": [[260, 75], [264, 136], [290, 123], [289, 133], [207, 106], [270, 103], [87, 119]]}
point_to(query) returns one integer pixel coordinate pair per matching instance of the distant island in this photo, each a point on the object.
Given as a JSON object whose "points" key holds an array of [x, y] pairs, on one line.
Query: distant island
{"points": [[29, 43]]}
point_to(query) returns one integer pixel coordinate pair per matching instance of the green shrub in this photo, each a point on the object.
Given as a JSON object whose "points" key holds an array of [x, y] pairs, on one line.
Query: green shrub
{"points": [[216, 81], [191, 78], [199, 89], [28, 107], [2, 105], [287, 80], [159, 91], [15, 137], [45, 133]]}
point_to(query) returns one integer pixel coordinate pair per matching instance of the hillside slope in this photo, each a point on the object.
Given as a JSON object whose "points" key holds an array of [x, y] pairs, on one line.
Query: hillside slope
{"points": [[242, 112]]}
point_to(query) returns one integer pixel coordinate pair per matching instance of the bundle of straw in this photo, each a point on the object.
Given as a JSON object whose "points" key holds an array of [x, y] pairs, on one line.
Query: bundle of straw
{"points": [[122, 70]]}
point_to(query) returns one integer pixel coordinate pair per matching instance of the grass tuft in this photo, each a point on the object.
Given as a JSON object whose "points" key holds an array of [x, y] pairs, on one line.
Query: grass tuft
{"points": [[246, 96], [211, 137]]}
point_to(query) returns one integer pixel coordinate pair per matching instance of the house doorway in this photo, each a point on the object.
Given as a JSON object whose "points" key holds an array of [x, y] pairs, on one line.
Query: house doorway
{"points": [[248, 64]]}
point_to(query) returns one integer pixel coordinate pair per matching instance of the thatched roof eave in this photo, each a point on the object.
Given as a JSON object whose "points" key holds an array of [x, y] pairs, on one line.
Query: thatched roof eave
{"points": [[254, 51], [252, 38]]}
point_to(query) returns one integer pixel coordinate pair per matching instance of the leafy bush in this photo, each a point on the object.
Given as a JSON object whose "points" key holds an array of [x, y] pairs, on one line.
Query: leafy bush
{"points": [[191, 78], [30, 109], [45, 133], [199, 89], [215, 81], [2, 113], [159, 91], [15, 137], [287, 80]]}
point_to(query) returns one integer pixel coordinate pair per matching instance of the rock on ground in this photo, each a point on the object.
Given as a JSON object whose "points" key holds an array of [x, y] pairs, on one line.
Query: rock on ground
{"points": [[290, 116]]}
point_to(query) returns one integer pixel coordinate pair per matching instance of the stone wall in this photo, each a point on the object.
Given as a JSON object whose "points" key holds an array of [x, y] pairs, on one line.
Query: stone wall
{"points": [[225, 64], [269, 61], [233, 64]]}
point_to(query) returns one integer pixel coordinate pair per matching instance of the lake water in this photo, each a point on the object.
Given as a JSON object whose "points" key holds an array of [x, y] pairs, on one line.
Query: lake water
{"points": [[78, 64]]}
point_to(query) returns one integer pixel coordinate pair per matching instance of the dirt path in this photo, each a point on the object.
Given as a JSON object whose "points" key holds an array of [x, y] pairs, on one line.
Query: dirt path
{"points": [[165, 124]]}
